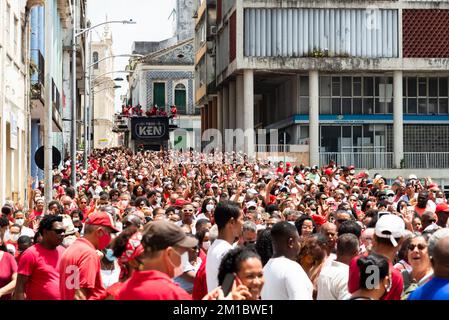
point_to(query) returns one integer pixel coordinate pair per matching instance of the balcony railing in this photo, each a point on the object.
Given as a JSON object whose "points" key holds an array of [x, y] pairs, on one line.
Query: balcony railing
{"points": [[38, 78], [424, 160], [272, 148], [384, 160], [366, 160]]}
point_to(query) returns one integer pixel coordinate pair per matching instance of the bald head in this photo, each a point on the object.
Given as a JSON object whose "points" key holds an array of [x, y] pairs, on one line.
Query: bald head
{"points": [[440, 259]]}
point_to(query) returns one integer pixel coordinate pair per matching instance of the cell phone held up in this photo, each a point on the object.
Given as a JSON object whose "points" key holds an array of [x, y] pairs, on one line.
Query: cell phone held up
{"points": [[227, 283]]}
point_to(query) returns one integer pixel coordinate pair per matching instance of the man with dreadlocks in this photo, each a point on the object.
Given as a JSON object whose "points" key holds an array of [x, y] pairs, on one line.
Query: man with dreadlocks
{"points": [[38, 270]]}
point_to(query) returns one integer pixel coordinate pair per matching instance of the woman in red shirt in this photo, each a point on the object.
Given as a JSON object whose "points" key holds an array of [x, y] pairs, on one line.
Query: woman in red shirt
{"points": [[8, 272]]}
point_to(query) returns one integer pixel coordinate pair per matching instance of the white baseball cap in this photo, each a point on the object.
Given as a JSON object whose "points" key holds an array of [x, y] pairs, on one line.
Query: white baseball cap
{"points": [[252, 191], [390, 226], [251, 204]]}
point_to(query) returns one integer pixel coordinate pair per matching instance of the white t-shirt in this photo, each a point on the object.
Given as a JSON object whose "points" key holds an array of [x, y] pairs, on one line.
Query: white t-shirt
{"points": [[333, 282], [285, 279], [214, 256]]}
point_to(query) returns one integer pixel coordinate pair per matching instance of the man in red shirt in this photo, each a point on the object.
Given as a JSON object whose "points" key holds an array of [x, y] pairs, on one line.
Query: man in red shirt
{"points": [[80, 269], [388, 236], [164, 244], [38, 271]]}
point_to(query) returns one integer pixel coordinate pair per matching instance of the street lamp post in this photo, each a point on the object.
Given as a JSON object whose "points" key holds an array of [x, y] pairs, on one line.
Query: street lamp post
{"points": [[48, 139], [73, 133]]}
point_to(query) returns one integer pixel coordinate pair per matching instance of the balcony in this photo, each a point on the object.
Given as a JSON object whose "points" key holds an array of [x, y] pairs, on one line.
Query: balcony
{"points": [[384, 160], [426, 160], [366, 160], [38, 78]]}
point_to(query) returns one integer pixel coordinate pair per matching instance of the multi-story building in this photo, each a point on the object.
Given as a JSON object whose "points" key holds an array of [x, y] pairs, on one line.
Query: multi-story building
{"points": [[165, 77], [360, 82], [61, 74], [103, 89], [14, 111], [205, 88]]}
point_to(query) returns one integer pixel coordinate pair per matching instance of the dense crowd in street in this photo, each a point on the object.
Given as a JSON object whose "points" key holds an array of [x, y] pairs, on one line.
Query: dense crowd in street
{"points": [[184, 225]]}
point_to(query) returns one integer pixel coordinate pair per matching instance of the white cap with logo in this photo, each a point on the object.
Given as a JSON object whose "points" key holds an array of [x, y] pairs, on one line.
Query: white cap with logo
{"points": [[390, 226]]}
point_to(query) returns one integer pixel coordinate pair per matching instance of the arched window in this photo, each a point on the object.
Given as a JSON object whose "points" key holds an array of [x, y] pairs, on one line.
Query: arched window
{"points": [[181, 98], [95, 59]]}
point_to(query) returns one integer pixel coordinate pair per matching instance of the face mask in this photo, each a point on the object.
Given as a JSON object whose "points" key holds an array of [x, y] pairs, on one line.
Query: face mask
{"points": [[206, 245], [337, 176], [210, 207], [158, 200], [110, 255], [104, 240], [439, 200], [76, 219], [14, 237], [125, 203], [20, 222], [179, 270], [68, 241]]}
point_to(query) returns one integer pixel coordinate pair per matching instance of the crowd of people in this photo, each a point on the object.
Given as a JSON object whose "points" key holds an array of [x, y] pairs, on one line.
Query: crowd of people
{"points": [[130, 111], [175, 225]]}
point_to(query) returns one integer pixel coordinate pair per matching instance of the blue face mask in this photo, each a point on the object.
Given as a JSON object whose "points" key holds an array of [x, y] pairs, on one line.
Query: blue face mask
{"points": [[110, 255]]}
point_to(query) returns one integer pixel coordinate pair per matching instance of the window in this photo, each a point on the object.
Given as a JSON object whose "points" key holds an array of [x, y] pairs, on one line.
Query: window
{"points": [[426, 95], [8, 24], [356, 95], [16, 35], [159, 94], [303, 95], [95, 59], [181, 98]]}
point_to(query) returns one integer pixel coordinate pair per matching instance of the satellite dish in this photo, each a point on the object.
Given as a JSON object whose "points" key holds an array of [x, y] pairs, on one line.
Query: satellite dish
{"points": [[39, 157]]}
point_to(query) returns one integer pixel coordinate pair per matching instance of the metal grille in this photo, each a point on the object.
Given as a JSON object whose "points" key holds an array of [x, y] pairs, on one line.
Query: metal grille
{"points": [[426, 138], [321, 33]]}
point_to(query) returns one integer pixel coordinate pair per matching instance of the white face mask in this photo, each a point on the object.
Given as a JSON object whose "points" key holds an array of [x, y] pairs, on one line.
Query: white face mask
{"points": [[206, 245], [158, 200], [20, 222], [439, 200], [14, 237], [68, 241], [179, 270], [210, 207]]}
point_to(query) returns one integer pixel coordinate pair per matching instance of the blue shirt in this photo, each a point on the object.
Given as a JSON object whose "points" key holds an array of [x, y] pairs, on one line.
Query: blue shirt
{"points": [[434, 289]]}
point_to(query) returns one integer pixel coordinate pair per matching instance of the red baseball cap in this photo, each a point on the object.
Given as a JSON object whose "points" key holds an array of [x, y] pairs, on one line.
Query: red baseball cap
{"points": [[101, 218], [433, 185], [288, 164], [328, 172], [181, 202], [319, 220], [442, 207]]}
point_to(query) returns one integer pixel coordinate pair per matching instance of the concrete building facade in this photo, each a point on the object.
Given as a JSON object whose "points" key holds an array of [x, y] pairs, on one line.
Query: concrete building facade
{"points": [[166, 77], [104, 92], [359, 82], [14, 110]]}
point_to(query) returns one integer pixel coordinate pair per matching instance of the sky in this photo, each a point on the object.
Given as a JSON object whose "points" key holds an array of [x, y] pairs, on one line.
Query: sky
{"points": [[153, 24]]}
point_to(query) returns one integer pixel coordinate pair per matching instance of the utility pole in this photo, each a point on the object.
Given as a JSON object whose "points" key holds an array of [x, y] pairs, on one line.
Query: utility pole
{"points": [[86, 101], [48, 120], [73, 131]]}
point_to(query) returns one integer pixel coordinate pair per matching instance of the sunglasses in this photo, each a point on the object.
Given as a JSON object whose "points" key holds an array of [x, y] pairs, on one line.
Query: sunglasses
{"points": [[83, 202], [58, 231], [420, 246], [187, 210]]}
